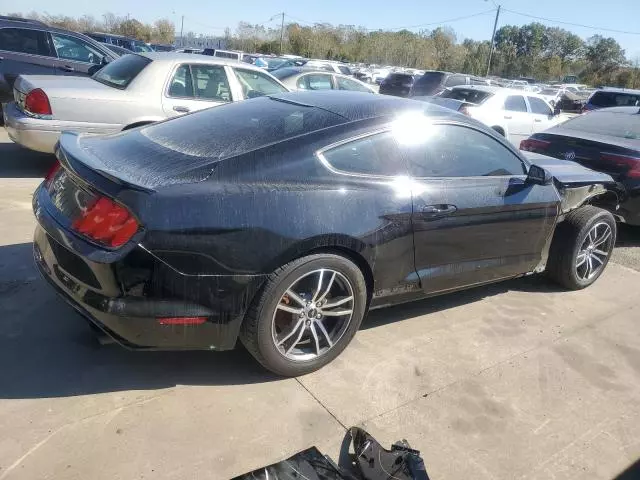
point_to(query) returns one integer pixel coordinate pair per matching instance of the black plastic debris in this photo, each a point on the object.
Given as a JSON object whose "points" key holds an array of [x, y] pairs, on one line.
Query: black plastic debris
{"points": [[367, 460]]}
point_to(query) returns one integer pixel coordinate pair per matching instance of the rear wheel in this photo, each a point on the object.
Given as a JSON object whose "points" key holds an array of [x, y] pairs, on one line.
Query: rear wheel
{"points": [[306, 314], [582, 246]]}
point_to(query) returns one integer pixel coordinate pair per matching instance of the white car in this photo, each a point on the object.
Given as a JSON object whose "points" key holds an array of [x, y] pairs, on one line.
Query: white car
{"points": [[134, 90], [329, 66], [512, 113]]}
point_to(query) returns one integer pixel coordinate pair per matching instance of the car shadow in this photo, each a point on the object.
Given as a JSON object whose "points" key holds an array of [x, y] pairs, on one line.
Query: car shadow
{"points": [[18, 162], [628, 236], [48, 350]]}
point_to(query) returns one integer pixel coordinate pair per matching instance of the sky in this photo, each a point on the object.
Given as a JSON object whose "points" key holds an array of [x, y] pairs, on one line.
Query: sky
{"points": [[213, 17]]}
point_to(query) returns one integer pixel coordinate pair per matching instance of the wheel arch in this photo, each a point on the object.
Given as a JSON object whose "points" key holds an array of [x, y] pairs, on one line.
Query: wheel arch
{"points": [[500, 129]]}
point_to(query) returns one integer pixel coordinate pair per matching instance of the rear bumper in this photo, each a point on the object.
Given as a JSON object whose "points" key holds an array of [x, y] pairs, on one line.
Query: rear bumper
{"points": [[42, 135], [126, 294]]}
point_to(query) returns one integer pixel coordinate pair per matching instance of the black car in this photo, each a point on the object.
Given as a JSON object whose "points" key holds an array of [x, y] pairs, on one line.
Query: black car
{"points": [[282, 220], [398, 84], [29, 47], [613, 97], [434, 82], [606, 140]]}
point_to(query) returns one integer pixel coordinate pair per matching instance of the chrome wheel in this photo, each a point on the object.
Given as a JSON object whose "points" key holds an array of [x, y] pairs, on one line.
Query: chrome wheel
{"points": [[594, 251], [312, 315]]}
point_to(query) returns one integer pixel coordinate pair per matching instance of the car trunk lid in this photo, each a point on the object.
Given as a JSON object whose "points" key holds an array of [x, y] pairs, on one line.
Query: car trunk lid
{"points": [[595, 152]]}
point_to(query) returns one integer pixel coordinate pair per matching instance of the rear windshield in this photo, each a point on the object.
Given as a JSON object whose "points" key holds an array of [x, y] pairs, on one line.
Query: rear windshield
{"points": [[467, 95], [121, 72], [604, 99], [240, 127], [285, 72], [429, 83], [344, 70], [620, 125], [231, 55]]}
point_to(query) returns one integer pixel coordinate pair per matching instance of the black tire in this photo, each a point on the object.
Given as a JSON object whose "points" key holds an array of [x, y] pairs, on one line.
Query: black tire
{"points": [[256, 332], [567, 241]]}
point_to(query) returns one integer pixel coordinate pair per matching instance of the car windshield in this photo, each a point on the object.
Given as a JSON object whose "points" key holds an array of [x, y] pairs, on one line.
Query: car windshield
{"points": [[602, 122], [467, 95], [121, 72], [428, 83], [141, 47]]}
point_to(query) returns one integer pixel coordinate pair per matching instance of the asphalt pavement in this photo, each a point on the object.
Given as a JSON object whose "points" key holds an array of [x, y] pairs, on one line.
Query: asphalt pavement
{"points": [[515, 380]]}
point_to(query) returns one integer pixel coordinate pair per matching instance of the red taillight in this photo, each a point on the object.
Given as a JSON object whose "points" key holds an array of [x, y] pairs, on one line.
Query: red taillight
{"points": [[107, 222], [182, 320], [533, 144], [624, 161], [52, 172], [37, 102]]}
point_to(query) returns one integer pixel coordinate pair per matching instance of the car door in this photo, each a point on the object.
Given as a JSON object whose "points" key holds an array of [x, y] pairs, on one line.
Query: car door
{"points": [[541, 113], [23, 51], [517, 118], [475, 218], [74, 55], [193, 87]]}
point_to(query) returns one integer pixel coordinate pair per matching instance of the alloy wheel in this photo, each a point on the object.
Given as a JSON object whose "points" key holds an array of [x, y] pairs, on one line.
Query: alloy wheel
{"points": [[594, 251], [313, 314]]}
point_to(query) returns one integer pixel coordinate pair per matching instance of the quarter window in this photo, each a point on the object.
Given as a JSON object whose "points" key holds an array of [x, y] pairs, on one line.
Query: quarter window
{"points": [[348, 84], [315, 82], [515, 103], [181, 85], [373, 155], [539, 106], [74, 49], [456, 151], [256, 84], [454, 80], [22, 40]]}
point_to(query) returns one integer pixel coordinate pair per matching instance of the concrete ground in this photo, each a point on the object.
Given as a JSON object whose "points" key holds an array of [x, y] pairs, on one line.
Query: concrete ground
{"points": [[515, 380]]}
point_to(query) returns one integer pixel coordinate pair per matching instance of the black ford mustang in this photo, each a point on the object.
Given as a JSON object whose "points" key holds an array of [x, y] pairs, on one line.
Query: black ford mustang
{"points": [[282, 220]]}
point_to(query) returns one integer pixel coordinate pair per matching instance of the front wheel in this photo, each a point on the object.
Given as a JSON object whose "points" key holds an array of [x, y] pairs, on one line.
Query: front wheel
{"points": [[306, 314], [581, 247]]}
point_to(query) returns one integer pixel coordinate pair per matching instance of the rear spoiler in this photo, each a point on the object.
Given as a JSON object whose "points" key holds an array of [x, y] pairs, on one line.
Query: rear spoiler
{"points": [[81, 162]]}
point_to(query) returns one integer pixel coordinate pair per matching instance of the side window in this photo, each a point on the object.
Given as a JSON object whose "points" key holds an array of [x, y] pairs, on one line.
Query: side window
{"points": [[348, 84], [539, 106], [256, 84], [71, 48], [23, 40], [515, 103], [456, 151], [373, 155], [181, 85], [454, 80], [210, 82], [318, 81]]}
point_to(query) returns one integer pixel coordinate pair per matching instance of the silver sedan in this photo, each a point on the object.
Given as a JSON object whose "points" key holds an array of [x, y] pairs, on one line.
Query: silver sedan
{"points": [[131, 91], [301, 78]]}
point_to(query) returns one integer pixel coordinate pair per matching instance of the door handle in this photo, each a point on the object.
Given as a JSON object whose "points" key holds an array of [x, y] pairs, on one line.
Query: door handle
{"points": [[181, 109], [67, 68], [439, 210], [537, 120], [507, 117]]}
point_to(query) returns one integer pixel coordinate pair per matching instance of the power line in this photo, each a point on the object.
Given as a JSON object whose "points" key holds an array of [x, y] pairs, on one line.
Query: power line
{"points": [[441, 22], [572, 24]]}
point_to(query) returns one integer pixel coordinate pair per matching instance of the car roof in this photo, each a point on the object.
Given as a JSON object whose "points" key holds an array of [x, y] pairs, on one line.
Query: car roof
{"points": [[173, 57], [618, 90], [354, 106]]}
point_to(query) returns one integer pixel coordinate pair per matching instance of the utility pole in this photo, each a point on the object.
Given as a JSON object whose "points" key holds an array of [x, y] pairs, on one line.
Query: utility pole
{"points": [[181, 31], [493, 37], [281, 32]]}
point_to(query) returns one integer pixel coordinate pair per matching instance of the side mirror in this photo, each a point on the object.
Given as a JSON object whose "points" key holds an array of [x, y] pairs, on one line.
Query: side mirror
{"points": [[538, 176], [94, 68], [556, 110]]}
